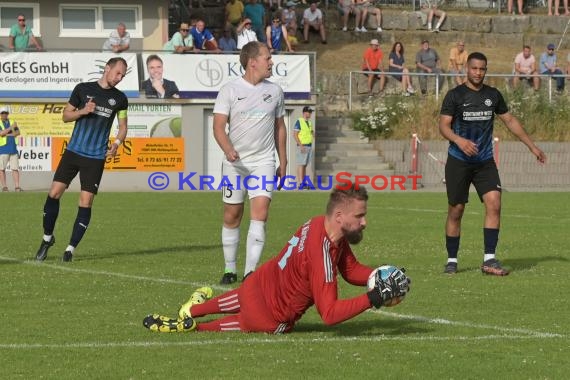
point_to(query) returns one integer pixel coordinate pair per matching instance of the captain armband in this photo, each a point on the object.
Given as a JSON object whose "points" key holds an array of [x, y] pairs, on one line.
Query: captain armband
{"points": [[122, 114]]}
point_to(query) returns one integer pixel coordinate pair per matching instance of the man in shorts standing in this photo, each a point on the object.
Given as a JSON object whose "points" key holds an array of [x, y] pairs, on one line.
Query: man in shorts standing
{"points": [[304, 134], [254, 108], [93, 107], [466, 120], [9, 150]]}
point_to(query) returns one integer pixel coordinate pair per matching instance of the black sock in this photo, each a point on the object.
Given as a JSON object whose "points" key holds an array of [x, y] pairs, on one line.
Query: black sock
{"points": [[452, 245], [80, 225], [490, 239], [51, 211]]}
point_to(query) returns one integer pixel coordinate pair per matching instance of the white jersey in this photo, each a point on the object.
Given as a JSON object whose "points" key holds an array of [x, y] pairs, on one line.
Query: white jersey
{"points": [[251, 112]]}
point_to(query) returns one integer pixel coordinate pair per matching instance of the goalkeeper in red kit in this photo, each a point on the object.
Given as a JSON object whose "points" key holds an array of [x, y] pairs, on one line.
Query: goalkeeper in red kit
{"points": [[275, 296]]}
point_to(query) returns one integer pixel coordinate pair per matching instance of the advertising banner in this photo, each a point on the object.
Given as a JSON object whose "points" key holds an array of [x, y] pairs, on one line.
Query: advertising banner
{"points": [[202, 75], [38, 123], [145, 120], [136, 154], [34, 154], [54, 75]]}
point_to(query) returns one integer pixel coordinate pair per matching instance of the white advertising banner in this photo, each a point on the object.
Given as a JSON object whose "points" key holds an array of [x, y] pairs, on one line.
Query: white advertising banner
{"points": [[202, 75], [54, 75], [34, 154]]}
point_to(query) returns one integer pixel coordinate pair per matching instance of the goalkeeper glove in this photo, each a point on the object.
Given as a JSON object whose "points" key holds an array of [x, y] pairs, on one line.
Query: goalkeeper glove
{"points": [[396, 285]]}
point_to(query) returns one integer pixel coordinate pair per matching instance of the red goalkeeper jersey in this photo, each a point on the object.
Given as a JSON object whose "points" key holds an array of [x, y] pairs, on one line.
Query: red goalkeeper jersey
{"points": [[305, 273]]}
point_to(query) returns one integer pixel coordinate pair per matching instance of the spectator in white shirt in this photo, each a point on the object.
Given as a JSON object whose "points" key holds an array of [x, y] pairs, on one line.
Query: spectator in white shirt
{"points": [[118, 40], [313, 19], [245, 33]]}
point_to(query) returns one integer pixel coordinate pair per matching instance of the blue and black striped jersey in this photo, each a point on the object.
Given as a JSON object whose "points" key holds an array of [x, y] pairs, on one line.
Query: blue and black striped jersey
{"points": [[90, 136], [473, 114]]}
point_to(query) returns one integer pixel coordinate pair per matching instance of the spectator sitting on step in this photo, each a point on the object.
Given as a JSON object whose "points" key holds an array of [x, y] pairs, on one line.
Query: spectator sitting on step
{"points": [[457, 62], [313, 19], [525, 69], [203, 38], [345, 9], [431, 8], [245, 33], [399, 71], [372, 62], [181, 41], [289, 16], [275, 34], [365, 8], [226, 42], [547, 66], [428, 62]]}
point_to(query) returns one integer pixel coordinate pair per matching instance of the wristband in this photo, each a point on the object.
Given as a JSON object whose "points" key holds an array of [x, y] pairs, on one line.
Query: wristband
{"points": [[118, 142], [374, 298]]}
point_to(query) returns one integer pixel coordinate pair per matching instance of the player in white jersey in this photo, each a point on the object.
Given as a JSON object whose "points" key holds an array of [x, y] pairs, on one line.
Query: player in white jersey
{"points": [[254, 109]]}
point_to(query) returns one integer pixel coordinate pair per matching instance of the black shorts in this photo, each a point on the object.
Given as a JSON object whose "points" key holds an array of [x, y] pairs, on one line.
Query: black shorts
{"points": [[90, 171], [459, 175], [377, 76]]}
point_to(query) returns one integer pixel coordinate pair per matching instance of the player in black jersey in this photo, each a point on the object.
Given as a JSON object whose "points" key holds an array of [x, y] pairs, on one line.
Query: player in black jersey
{"points": [[93, 107], [466, 120]]}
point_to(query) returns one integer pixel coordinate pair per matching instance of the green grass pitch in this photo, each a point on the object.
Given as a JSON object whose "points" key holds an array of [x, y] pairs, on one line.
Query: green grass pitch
{"points": [[146, 252]]}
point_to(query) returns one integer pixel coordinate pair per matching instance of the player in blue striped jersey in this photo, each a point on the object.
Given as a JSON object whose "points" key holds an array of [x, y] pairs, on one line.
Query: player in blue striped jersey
{"points": [[93, 107], [466, 120]]}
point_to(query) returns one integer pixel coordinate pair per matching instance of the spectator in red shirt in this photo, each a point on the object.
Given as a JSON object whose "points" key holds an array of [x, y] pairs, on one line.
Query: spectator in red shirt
{"points": [[372, 61]]}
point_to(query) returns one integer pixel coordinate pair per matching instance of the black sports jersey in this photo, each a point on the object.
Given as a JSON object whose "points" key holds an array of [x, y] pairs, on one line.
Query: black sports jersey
{"points": [[90, 135], [473, 113]]}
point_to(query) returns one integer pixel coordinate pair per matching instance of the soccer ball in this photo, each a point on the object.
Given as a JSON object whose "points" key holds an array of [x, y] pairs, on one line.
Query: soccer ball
{"points": [[384, 272]]}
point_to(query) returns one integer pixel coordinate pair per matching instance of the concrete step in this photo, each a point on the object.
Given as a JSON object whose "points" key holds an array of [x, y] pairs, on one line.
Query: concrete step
{"points": [[334, 122], [354, 168], [370, 173], [373, 160], [324, 147], [337, 133], [342, 140], [333, 127], [348, 153]]}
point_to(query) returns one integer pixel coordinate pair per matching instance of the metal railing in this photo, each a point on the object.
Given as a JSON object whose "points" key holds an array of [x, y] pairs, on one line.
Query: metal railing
{"points": [[435, 87]]}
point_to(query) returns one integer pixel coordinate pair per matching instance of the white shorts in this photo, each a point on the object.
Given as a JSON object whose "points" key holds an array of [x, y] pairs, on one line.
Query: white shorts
{"points": [[12, 159], [256, 181]]}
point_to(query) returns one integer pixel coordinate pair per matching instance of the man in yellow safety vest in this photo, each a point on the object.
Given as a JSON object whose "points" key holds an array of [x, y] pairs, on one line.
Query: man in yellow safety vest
{"points": [[303, 133], [8, 152]]}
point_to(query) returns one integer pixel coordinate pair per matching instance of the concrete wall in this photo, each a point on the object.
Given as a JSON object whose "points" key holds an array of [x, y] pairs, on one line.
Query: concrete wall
{"points": [[517, 166]]}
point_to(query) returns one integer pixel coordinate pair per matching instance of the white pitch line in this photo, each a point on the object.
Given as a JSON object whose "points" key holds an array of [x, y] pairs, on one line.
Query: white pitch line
{"points": [[68, 268], [440, 321], [440, 211], [528, 334], [288, 339]]}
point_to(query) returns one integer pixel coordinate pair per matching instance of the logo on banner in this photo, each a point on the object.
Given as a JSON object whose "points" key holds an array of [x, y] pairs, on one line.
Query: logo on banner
{"points": [[209, 73]]}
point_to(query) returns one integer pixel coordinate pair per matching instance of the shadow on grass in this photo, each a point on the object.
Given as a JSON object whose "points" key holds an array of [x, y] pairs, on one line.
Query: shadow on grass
{"points": [[379, 326], [523, 263], [150, 251]]}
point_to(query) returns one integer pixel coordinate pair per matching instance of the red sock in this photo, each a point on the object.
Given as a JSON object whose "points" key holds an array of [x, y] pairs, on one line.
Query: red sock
{"points": [[223, 304], [228, 323]]}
